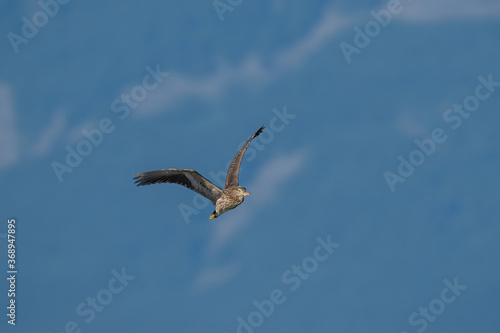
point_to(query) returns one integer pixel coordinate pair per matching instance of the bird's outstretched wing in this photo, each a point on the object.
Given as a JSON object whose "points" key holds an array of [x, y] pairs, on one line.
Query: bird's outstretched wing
{"points": [[234, 168], [185, 177]]}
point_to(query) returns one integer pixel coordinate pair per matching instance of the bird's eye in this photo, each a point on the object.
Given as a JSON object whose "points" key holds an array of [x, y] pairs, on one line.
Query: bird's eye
{"points": [[239, 190]]}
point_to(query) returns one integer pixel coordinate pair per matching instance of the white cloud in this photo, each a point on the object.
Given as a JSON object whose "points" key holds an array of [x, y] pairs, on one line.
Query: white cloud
{"points": [[11, 147], [49, 134], [212, 276], [431, 10], [328, 26], [9, 137], [410, 125], [177, 86]]}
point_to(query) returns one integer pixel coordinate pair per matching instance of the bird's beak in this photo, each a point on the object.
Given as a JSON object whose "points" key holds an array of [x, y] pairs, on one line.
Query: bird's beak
{"points": [[246, 193]]}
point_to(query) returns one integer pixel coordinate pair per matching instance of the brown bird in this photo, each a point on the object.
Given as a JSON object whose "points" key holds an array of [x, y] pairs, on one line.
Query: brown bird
{"points": [[225, 199]]}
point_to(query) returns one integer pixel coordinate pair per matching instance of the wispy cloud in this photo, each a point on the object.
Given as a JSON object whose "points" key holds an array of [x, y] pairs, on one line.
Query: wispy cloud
{"points": [[265, 186], [12, 147], [409, 124], [49, 134], [181, 86], [9, 137], [250, 72], [432, 10], [327, 27], [212, 276]]}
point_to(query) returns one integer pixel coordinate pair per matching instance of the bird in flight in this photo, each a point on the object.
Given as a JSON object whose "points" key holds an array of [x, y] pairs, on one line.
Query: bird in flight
{"points": [[225, 199]]}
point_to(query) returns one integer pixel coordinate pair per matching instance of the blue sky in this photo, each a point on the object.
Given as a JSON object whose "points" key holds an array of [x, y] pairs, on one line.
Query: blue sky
{"points": [[374, 201]]}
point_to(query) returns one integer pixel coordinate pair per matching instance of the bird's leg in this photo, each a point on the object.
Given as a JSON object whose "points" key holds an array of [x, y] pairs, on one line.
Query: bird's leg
{"points": [[214, 215]]}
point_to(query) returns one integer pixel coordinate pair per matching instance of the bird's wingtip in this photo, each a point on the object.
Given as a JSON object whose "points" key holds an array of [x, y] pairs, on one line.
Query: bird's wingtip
{"points": [[259, 131], [138, 179]]}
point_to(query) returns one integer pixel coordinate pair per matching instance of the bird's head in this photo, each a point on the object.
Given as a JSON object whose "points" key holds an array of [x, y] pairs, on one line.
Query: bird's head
{"points": [[243, 191]]}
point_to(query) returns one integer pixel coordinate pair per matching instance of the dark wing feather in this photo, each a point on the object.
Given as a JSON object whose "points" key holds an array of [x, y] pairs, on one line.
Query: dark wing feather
{"points": [[188, 178], [234, 168]]}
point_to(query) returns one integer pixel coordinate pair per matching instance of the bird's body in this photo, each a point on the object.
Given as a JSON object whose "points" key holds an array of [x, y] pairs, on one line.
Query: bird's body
{"points": [[225, 199], [229, 199]]}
